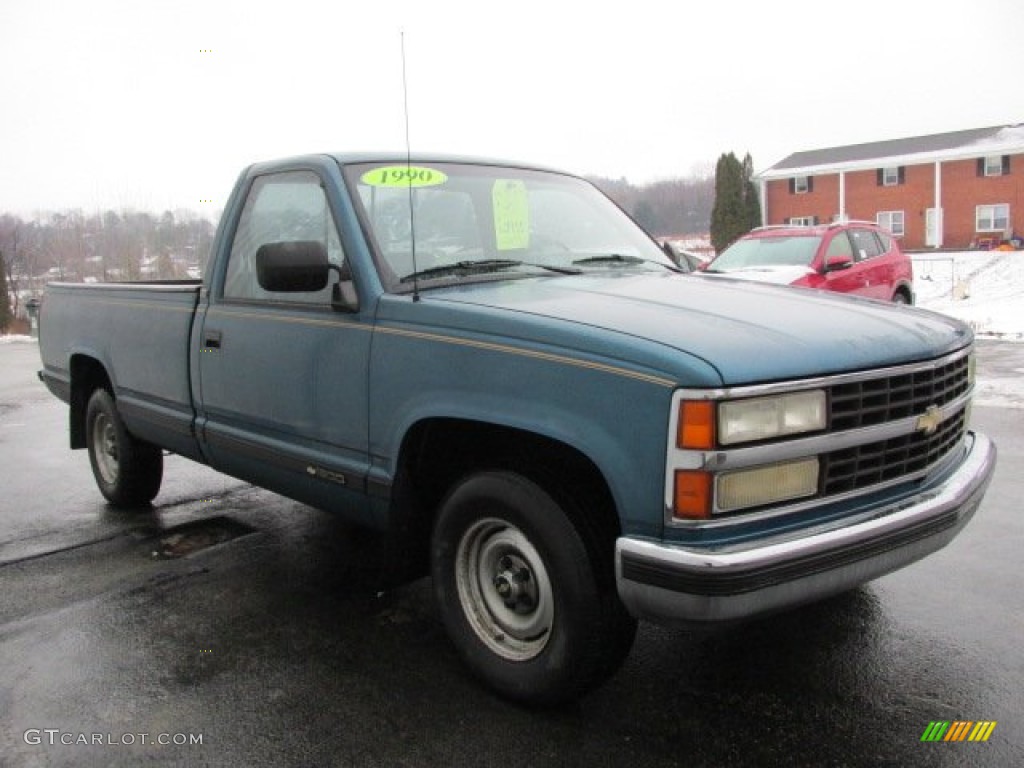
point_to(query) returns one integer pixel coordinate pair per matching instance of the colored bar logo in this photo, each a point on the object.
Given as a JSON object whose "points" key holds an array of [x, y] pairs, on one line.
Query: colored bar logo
{"points": [[958, 730]]}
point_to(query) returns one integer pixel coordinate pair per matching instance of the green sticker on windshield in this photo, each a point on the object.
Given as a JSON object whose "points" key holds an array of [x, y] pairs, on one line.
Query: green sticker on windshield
{"points": [[511, 214], [403, 176]]}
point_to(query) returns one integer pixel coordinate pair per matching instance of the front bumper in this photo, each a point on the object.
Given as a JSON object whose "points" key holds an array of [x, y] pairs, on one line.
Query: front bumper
{"points": [[673, 583]]}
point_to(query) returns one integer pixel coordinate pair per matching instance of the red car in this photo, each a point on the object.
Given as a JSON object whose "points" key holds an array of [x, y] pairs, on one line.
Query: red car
{"points": [[856, 257]]}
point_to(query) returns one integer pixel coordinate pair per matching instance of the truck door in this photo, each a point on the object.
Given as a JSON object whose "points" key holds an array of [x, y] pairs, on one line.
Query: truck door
{"points": [[283, 376]]}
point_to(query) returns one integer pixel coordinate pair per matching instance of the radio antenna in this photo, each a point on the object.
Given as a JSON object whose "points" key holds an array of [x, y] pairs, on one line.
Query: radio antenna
{"points": [[408, 176]]}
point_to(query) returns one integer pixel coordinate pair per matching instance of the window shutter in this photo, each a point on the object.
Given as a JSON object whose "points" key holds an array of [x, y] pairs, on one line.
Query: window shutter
{"points": [[1006, 165], [981, 166], [901, 174], [810, 183], [879, 177], [792, 186]]}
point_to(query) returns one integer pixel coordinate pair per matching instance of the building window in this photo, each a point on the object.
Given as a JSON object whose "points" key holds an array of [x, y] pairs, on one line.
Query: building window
{"points": [[891, 220], [803, 221], [801, 185], [994, 165], [992, 218], [891, 177]]}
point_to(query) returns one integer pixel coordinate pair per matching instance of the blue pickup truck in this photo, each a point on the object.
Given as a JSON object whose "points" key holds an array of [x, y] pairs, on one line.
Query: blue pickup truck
{"points": [[494, 365]]}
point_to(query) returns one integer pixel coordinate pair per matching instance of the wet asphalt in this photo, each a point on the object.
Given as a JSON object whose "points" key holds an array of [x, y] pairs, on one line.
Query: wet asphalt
{"points": [[270, 633]]}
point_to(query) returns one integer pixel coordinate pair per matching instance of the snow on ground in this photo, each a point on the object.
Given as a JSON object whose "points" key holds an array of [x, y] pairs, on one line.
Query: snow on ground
{"points": [[983, 288], [14, 339], [986, 290]]}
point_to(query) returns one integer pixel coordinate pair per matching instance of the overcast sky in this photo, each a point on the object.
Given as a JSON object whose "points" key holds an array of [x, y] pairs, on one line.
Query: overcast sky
{"points": [[152, 104]]}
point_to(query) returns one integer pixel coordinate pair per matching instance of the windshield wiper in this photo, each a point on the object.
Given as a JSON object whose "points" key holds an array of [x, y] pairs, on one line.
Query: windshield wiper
{"points": [[618, 258], [481, 267], [613, 258]]}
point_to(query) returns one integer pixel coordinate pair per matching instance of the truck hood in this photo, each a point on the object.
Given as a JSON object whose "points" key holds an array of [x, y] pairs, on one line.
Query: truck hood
{"points": [[748, 332]]}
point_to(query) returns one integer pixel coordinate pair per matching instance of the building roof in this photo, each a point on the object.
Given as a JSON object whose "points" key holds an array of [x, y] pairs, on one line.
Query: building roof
{"points": [[976, 142]]}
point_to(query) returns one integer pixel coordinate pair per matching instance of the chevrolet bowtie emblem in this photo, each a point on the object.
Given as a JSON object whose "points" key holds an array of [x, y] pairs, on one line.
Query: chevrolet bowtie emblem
{"points": [[929, 421]]}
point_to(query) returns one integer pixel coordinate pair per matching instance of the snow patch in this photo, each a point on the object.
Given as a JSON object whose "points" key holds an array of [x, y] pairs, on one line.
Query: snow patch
{"points": [[985, 289], [1007, 137], [16, 339]]}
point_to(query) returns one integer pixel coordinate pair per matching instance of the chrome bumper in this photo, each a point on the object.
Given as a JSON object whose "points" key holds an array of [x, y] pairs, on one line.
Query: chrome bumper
{"points": [[676, 584]]}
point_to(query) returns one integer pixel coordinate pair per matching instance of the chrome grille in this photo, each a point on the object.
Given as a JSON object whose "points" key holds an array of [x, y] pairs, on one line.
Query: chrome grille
{"points": [[861, 466], [876, 401]]}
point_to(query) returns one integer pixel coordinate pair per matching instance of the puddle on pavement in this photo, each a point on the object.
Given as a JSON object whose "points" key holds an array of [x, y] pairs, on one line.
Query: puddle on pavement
{"points": [[188, 538]]}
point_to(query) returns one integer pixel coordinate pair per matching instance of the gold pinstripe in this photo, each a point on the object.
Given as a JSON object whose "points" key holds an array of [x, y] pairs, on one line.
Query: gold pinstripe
{"points": [[463, 342], [140, 304], [535, 354], [289, 319]]}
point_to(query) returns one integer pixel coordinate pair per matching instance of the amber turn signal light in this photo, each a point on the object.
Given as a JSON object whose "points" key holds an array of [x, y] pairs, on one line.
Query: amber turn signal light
{"points": [[692, 499], [696, 424]]}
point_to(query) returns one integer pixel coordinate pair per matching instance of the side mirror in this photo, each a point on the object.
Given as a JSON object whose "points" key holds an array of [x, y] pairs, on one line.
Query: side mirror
{"points": [[343, 295], [838, 263], [292, 267]]}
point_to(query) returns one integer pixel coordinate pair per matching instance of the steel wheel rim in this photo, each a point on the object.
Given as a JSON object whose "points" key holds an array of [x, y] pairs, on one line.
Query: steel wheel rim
{"points": [[504, 589], [105, 449]]}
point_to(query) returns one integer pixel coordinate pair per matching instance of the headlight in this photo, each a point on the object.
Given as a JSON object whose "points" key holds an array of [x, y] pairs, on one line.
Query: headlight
{"points": [[767, 485], [762, 418]]}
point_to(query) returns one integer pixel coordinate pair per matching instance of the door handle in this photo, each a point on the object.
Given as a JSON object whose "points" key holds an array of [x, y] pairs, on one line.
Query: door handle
{"points": [[211, 339]]}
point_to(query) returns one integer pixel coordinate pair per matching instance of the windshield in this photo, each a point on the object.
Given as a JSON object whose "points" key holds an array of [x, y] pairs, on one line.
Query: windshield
{"points": [[755, 252], [481, 222]]}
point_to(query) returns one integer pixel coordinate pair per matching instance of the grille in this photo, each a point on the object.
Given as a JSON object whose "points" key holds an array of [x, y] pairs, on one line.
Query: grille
{"points": [[864, 465], [902, 396], [876, 401]]}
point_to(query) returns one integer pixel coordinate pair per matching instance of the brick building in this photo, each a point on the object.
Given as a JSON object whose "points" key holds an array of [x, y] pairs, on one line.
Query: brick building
{"points": [[949, 190]]}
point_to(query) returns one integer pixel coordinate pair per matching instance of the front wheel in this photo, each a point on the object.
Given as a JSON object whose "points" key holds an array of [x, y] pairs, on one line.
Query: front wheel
{"points": [[523, 593], [127, 470]]}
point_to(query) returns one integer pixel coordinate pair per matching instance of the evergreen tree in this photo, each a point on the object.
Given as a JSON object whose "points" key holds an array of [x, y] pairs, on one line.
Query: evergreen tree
{"points": [[751, 202], [728, 218], [5, 300]]}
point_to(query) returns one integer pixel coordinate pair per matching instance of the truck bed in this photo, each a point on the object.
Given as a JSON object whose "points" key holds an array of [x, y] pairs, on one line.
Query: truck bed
{"points": [[140, 333]]}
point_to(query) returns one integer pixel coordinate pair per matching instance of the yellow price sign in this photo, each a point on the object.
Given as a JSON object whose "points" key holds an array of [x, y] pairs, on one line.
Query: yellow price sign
{"points": [[511, 214]]}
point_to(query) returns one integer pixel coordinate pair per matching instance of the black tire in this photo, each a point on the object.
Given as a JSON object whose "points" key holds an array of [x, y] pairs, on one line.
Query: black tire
{"points": [[900, 298], [526, 593], [127, 470]]}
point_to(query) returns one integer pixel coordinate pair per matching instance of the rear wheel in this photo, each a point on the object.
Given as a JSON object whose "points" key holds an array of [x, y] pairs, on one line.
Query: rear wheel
{"points": [[523, 593], [127, 470], [900, 298]]}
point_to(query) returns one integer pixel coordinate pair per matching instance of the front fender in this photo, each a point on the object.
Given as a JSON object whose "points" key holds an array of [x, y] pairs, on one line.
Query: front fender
{"points": [[617, 422]]}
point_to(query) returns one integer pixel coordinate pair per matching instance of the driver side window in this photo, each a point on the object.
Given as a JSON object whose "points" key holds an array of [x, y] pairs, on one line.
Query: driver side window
{"points": [[283, 207], [840, 246]]}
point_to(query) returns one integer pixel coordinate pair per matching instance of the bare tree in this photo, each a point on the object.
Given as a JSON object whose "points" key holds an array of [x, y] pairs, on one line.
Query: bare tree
{"points": [[6, 315]]}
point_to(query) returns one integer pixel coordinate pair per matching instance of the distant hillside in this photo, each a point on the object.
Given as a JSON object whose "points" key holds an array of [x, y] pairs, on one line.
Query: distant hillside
{"points": [[668, 207]]}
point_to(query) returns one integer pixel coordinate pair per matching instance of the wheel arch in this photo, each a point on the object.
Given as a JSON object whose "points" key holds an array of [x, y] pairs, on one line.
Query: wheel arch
{"points": [[906, 290], [438, 452], [87, 375]]}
